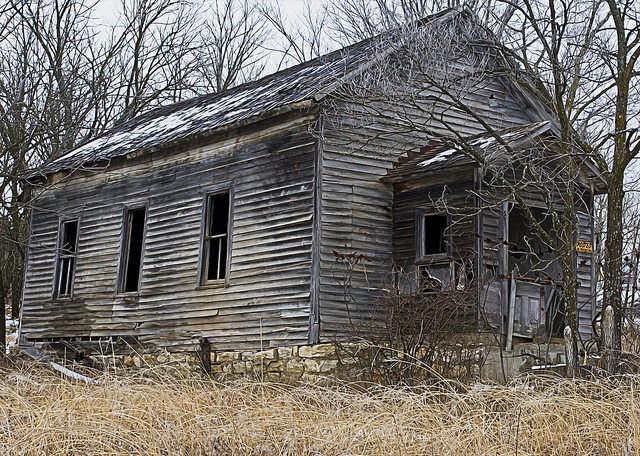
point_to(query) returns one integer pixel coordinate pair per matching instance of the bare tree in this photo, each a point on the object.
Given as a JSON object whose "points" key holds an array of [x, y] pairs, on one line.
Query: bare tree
{"points": [[232, 46], [301, 38], [46, 106], [587, 55], [157, 60], [620, 52]]}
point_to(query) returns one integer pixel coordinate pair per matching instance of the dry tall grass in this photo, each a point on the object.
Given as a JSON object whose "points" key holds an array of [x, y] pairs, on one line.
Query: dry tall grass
{"points": [[43, 414]]}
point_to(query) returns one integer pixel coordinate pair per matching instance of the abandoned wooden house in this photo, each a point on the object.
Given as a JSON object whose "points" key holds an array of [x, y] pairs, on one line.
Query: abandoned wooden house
{"points": [[218, 217]]}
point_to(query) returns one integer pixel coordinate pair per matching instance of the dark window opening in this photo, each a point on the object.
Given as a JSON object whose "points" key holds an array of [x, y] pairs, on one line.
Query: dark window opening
{"points": [[132, 254], [66, 257], [216, 237], [434, 230], [528, 251]]}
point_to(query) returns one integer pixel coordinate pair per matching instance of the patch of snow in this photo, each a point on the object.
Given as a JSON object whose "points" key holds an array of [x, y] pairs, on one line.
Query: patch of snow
{"points": [[442, 156], [11, 334], [482, 387], [547, 366], [483, 142]]}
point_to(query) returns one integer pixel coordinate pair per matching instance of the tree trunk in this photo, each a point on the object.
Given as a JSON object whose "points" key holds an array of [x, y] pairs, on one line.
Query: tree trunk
{"points": [[571, 352], [3, 321], [612, 287]]}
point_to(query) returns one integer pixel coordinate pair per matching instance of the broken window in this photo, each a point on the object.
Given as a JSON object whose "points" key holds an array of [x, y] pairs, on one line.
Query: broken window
{"points": [[133, 241], [434, 269], [216, 237], [67, 246], [434, 228]]}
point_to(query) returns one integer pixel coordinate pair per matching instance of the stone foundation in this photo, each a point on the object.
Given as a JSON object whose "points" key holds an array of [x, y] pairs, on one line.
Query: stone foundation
{"points": [[284, 364], [311, 363]]}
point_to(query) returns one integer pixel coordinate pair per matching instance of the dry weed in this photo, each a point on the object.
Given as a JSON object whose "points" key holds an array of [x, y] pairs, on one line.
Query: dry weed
{"points": [[44, 414]]}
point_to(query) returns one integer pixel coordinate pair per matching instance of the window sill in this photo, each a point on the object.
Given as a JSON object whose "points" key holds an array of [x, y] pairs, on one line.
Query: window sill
{"points": [[210, 285], [128, 294], [436, 258]]}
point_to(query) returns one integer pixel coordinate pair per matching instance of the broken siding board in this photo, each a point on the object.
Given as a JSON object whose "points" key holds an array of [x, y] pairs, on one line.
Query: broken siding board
{"points": [[271, 239]]}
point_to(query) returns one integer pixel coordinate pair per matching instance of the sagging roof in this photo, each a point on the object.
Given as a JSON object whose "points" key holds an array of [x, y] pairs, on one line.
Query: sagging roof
{"points": [[201, 116], [445, 155], [448, 154]]}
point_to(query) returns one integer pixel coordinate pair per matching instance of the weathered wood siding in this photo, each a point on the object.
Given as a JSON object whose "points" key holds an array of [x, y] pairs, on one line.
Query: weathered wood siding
{"points": [[267, 301], [584, 267], [356, 207], [493, 296], [455, 199]]}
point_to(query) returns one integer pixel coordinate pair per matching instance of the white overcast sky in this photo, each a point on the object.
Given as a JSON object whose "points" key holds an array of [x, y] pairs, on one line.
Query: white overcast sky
{"points": [[106, 8], [106, 13]]}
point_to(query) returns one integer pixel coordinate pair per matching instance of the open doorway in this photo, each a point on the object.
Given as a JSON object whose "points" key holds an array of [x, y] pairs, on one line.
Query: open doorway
{"points": [[539, 307]]}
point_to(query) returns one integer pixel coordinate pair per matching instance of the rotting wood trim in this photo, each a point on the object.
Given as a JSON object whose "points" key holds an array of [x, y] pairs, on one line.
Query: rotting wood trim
{"points": [[272, 126], [316, 234]]}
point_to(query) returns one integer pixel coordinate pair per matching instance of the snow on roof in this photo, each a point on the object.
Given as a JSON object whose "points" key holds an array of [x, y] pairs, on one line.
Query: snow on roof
{"points": [[182, 120], [441, 156]]}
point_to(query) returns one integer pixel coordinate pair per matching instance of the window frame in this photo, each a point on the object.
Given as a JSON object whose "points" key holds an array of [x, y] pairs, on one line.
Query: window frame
{"points": [[123, 253], [421, 257], [424, 261], [55, 295], [202, 281]]}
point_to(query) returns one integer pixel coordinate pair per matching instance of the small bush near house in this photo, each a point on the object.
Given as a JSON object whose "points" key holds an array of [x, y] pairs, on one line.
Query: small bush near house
{"points": [[416, 331], [44, 414], [412, 337]]}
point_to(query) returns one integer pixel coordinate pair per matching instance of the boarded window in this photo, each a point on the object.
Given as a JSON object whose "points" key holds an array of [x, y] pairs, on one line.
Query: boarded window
{"points": [[434, 228], [131, 262], [216, 237], [68, 240]]}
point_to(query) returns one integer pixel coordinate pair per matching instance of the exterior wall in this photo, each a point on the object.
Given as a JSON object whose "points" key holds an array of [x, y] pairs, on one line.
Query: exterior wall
{"points": [[267, 300], [409, 202], [355, 217], [356, 206], [493, 299], [297, 200], [586, 276]]}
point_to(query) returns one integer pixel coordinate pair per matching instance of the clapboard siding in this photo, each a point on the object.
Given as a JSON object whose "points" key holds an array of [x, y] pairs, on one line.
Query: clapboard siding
{"points": [[493, 296], [267, 301], [409, 203]]}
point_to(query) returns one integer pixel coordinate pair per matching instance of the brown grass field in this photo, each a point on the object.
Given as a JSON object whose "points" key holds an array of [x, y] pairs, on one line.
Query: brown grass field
{"points": [[42, 413]]}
